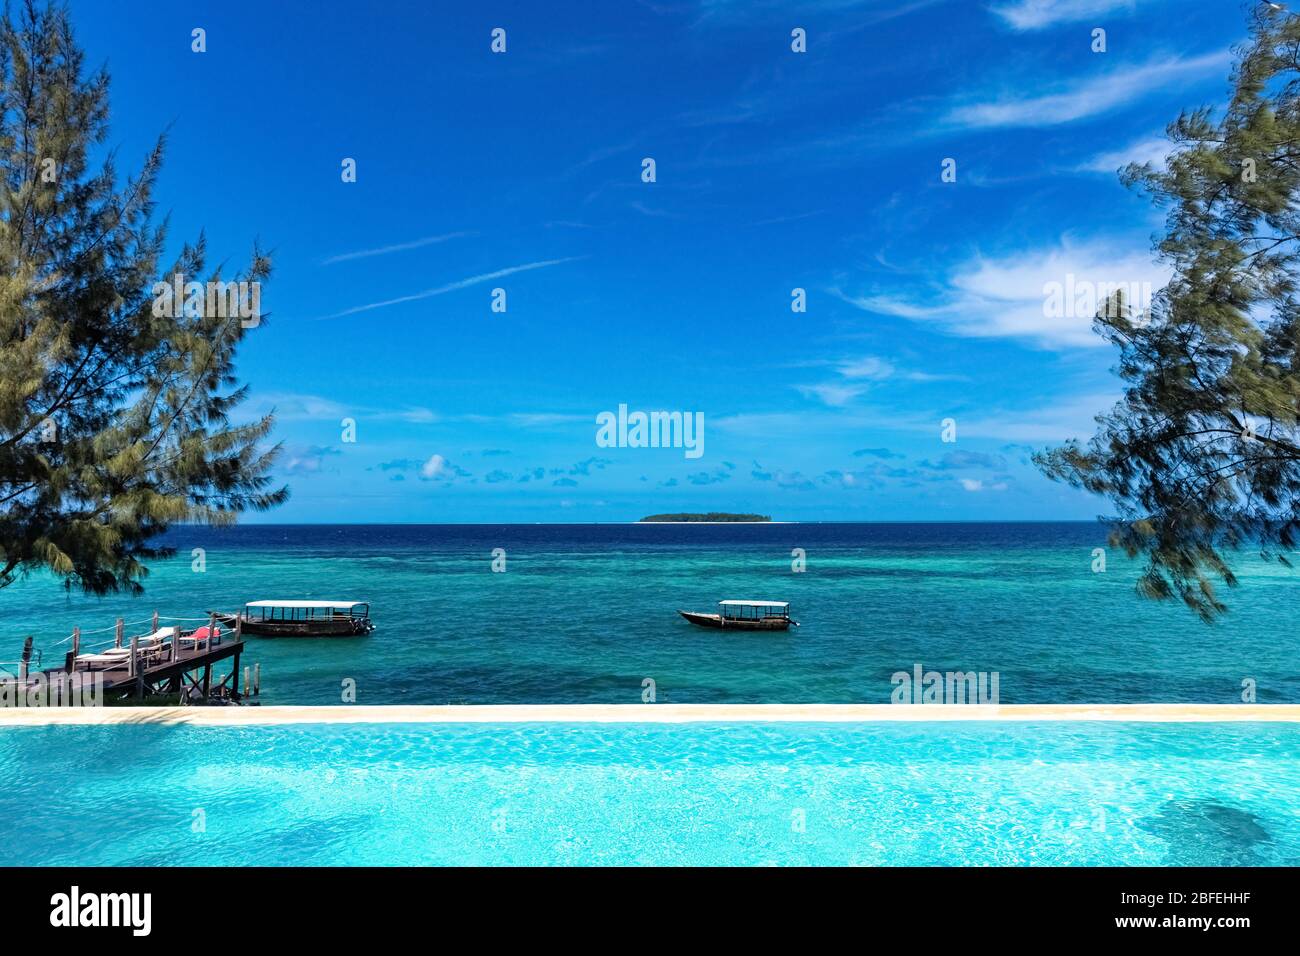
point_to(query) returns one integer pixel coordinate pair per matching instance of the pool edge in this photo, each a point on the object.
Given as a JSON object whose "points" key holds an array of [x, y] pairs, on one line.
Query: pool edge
{"points": [[648, 714]]}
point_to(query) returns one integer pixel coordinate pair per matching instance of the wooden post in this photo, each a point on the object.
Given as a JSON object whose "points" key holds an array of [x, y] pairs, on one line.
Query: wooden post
{"points": [[155, 622], [27, 657], [121, 632], [248, 683], [212, 626], [257, 679], [207, 681], [135, 667], [76, 641]]}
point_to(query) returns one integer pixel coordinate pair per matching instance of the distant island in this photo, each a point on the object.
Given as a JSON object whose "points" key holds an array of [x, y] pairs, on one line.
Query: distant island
{"points": [[711, 516]]}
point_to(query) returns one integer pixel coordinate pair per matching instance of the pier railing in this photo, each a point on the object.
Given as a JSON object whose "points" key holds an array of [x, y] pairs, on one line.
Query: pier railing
{"points": [[135, 653], [176, 655]]}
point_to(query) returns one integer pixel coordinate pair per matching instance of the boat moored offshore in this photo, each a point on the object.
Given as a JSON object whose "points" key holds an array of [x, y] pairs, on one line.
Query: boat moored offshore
{"points": [[745, 616], [303, 618]]}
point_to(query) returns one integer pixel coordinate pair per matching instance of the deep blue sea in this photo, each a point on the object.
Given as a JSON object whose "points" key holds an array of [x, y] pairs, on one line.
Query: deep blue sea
{"points": [[586, 613]]}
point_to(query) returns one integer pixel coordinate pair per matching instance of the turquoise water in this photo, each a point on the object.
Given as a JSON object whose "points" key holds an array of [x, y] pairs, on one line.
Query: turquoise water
{"points": [[934, 794], [586, 613]]}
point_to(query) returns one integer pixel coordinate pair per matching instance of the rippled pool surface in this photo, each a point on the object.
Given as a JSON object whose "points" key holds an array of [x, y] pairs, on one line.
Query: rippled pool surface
{"points": [[754, 794]]}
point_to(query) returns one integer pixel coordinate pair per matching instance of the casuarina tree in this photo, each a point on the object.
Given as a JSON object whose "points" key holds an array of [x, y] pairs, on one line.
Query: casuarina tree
{"points": [[118, 391], [1201, 457]]}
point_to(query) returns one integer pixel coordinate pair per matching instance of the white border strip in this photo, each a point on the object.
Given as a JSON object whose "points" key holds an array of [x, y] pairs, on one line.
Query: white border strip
{"points": [[647, 714]]}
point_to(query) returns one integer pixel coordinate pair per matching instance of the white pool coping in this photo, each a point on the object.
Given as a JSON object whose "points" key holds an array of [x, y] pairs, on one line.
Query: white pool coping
{"points": [[647, 714]]}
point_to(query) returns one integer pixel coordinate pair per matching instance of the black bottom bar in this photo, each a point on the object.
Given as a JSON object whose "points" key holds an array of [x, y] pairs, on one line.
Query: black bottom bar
{"points": [[328, 906]]}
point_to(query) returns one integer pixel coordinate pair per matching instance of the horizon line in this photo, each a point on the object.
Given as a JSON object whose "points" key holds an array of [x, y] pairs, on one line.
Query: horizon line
{"points": [[443, 524]]}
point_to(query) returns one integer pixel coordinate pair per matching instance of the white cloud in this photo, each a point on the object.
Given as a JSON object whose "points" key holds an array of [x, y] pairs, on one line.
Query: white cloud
{"points": [[1036, 14], [1151, 149], [1117, 87], [438, 468], [435, 466], [1007, 297], [976, 484]]}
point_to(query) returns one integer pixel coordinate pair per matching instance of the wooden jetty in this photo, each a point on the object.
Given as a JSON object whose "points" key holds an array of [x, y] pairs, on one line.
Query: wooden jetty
{"points": [[168, 660]]}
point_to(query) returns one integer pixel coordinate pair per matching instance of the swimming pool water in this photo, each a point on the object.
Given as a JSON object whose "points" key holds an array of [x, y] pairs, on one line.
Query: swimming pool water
{"points": [[752, 794]]}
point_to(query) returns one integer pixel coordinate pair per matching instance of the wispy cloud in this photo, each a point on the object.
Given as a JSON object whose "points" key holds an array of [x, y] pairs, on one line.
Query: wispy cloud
{"points": [[545, 419], [794, 480], [716, 476], [295, 406], [1121, 85], [453, 286], [857, 375], [1007, 297], [1149, 149], [1050, 424], [832, 393], [868, 367], [958, 460], [308, 460], [793, 217], [877, 453], [1027, 15], [652, 211], [866, 14], [399, 247]]}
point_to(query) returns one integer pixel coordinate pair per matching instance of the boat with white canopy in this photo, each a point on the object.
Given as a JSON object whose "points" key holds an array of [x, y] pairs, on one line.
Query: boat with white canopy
{"points": [[303, 618], [745, 616]]}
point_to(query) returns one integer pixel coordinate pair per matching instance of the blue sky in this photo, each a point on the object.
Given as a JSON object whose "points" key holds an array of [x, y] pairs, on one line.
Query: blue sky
{"points": [[774, 170]]}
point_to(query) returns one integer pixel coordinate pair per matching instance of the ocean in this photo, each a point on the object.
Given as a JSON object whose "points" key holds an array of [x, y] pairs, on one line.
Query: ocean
{"points": [[587, 614]]}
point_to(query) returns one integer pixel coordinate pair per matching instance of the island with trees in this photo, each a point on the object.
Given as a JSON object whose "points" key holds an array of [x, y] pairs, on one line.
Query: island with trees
{"points": [[712, 517]]}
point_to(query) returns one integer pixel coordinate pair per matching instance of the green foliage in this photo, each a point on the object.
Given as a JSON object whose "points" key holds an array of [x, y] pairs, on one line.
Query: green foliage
{"points": [[1202, 455], [138, 404]]}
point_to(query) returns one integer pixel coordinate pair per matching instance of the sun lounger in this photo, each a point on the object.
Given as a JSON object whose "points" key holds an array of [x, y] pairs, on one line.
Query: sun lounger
{"points": [[99, 662], [201, 635]]}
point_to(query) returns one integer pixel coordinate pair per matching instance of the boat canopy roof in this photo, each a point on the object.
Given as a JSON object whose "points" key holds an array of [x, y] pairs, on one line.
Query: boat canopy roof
{"points": [[755, 603], [305, 604]]}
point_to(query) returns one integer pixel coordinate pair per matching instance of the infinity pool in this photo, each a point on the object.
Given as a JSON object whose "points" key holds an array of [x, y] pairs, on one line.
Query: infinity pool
{"points": [[894, 794]]}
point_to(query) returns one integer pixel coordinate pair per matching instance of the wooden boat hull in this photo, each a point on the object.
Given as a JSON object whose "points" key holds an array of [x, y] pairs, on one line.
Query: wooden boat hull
{"points": [[730, 624], [355, 627]]}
